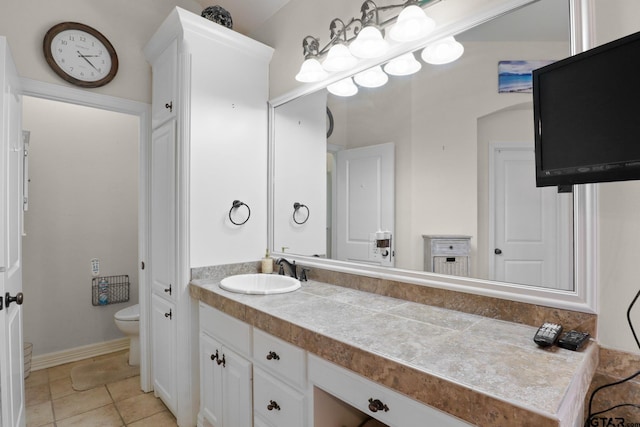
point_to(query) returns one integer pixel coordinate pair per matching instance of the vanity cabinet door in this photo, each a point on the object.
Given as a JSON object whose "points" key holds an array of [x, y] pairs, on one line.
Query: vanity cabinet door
{"points": [[163, 212], [164, 85], [236, 390], [210, 381], [164, 335]]}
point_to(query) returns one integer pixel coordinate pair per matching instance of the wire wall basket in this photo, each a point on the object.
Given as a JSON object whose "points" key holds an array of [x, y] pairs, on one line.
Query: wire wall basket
{"points": [[107, 290]]}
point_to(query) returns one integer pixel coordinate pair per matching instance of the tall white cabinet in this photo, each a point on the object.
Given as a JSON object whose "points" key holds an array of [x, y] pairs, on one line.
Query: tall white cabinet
{"points": [[209, 148]]}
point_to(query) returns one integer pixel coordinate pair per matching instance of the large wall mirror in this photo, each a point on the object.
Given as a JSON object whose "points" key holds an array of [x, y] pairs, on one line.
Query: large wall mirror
{"points": [[442, 160]]}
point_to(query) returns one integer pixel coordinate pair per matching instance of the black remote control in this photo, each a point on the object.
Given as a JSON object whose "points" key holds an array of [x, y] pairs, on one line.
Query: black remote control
{"points": [[547, 334], [573, 340]]}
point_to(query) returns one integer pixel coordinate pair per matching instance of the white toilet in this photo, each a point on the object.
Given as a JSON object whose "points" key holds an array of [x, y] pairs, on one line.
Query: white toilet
{"points": [[128, 321]]}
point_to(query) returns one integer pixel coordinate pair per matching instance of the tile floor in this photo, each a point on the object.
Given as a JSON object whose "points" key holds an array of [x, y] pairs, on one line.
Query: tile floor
{"points": [[52, 402]]}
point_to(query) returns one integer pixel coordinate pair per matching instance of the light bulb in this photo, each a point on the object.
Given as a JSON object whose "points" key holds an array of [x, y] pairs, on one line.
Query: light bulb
{"points": [[339, 58], [412, 24], [373, 77], [344, 87], [443, 51], [311, 71], [403, 65], [369, 44]]}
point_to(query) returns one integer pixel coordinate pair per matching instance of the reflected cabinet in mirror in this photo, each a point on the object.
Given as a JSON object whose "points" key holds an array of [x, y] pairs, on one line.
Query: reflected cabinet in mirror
{"points": [[432, 172]]}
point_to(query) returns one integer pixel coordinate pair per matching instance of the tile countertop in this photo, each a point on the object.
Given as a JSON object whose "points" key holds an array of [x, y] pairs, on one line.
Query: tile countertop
{"points": [[485, 371]]}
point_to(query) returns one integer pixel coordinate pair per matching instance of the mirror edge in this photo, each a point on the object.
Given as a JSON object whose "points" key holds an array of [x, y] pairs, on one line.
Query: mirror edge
{"points": [[583, 298]]}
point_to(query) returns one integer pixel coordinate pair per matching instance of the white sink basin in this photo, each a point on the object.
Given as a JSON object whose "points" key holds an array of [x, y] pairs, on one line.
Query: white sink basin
{"points": [[260, 284]]}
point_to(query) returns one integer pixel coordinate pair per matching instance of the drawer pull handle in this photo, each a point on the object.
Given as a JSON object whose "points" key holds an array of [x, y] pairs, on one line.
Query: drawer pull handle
{"points": [[273, 405], [273, 356], [376, 405]]}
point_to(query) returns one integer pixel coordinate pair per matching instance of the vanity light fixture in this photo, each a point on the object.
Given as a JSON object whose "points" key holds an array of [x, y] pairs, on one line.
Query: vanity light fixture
{"points": [[373, 77], [311, 69], [344, 87], [364, 37], [443, 51], [403, 65], [412, 24]]}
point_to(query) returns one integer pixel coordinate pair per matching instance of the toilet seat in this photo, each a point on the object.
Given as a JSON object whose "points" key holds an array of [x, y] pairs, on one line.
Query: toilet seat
{"points": [[130, 314]]}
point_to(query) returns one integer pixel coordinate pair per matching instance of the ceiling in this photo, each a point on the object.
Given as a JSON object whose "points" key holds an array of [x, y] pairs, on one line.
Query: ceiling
{"points": [[247, 15]]}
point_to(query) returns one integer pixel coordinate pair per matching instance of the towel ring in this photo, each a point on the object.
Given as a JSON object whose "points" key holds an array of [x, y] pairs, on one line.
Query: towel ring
{"points": [[235, 205], [296, 208]]}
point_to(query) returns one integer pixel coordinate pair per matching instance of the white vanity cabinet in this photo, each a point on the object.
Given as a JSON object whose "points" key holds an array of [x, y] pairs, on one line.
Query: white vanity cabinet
{"points": [[225, 370], [279, 382], [209, 109]]}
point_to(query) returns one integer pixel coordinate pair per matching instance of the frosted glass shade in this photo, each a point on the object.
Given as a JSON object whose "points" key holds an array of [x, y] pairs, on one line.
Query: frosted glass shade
{"points": [[311, 71], [403, 65], [369, 44], [339, 58], [373, 77], [412, 24], [344, 87], [443, 51]]}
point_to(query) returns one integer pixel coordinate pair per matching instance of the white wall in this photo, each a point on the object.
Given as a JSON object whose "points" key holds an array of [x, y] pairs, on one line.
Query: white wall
{"points": [[618, 208], [127, 24], [83, 204]]}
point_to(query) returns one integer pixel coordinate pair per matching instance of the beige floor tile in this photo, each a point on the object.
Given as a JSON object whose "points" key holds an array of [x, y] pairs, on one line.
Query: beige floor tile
{"points": [[161, 419], [60, 388], [138, 407], [106, 416], [35, 394], [63, 371], [124, 389], [39, 415], [78, 403], [37, 378]]}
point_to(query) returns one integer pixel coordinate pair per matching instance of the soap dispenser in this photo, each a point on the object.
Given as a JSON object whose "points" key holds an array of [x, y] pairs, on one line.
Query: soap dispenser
{"points": [[267, 263]]}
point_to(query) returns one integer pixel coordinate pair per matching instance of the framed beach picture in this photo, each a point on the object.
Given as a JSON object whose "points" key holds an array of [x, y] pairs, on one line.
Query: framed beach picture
{"points": [[515, 76]]}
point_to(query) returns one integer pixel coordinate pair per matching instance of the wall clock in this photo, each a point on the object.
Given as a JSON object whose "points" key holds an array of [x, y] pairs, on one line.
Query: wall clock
{"points": [[80, 54]]}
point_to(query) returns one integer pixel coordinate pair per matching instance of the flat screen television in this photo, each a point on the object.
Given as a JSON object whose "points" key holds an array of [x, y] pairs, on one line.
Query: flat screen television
{"points": [[587, 116]]}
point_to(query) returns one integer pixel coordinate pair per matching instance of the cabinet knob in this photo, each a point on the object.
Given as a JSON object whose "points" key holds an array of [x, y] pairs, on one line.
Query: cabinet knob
{"points": [[273, 356], [215, 356], [169, 106], [497, 251], [376, 405], [168, 290], [273, 405], [169, 315]]}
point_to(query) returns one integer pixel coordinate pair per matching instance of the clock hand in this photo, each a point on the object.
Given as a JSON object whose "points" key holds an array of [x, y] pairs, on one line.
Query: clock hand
{"points": [[85, 58]]}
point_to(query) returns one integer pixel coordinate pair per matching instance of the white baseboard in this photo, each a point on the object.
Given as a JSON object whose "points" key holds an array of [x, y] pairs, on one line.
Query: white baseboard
{"points": [[78, 353]]}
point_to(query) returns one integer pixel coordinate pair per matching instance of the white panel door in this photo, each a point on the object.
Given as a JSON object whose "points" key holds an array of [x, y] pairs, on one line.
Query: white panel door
{"points": [[365, 200], [528, 222], [237, 390], [12, 409]]}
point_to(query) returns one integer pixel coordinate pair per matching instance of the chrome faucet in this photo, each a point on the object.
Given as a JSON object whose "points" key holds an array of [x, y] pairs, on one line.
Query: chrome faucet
{"points": [[293, 269]]}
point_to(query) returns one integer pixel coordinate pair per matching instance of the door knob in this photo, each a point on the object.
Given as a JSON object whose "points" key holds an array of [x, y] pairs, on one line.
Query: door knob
{"points": [[18, 299], [497, 251]]}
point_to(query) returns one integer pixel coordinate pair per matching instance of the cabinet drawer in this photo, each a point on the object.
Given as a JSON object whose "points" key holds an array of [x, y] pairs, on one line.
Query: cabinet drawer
{"points": [[396, 410], [229, 330], [450, 247], [275, 402], [283, 360]]}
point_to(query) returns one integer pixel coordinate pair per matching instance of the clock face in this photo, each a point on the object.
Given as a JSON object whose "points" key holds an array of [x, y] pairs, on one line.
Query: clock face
{"points": [[80, 54]]}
